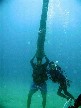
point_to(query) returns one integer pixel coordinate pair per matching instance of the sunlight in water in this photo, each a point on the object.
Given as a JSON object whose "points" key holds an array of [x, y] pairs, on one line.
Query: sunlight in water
{"points": [[57, 9], [64, 15], [51, 11]]}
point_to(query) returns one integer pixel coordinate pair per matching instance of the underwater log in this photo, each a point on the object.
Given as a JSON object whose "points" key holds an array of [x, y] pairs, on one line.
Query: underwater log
{"points": [[42, 30]]}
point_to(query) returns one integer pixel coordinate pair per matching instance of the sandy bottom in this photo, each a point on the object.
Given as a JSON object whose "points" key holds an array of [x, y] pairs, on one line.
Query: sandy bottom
{"points": [[14, 95]]}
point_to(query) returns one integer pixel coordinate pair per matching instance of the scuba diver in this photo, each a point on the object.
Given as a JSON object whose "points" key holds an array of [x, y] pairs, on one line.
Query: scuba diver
{"points": [[56, 75], [39, 79], [77, 102]]}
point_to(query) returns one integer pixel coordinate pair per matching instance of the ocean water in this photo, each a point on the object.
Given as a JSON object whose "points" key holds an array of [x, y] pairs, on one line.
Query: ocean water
{"points": [[19, 25]]}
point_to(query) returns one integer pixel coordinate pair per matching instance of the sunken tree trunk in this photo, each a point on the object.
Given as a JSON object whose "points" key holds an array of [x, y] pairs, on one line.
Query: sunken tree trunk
{"points": [[42, 31]]}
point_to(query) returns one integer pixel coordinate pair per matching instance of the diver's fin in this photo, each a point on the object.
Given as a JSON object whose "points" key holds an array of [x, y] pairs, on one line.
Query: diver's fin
{"points": [[67, 103]]}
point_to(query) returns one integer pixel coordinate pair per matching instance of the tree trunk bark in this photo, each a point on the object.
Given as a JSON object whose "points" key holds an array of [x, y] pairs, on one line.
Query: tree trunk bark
{"points": [[42, 31]]}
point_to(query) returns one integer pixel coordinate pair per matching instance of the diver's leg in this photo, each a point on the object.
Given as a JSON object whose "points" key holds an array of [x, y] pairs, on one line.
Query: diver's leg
{"points": [[44, 99], [59, 92], [44, 94], [31, 92], [69, 95]]}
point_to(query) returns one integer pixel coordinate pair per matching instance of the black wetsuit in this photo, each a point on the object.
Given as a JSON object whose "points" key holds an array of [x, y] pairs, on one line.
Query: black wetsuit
{"points": [[58, 77], [39, 72]]}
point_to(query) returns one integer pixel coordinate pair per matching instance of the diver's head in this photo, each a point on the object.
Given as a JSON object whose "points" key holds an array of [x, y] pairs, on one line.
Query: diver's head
{"points": [[39, 61], [52, 65]]}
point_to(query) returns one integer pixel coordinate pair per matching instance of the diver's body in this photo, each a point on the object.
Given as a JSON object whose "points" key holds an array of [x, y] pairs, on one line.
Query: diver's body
{"points": [[39, 80], [58, 77]]}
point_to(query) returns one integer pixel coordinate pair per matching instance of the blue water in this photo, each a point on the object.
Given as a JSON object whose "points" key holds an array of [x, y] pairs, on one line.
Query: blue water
{"points": [[19, 25]]}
